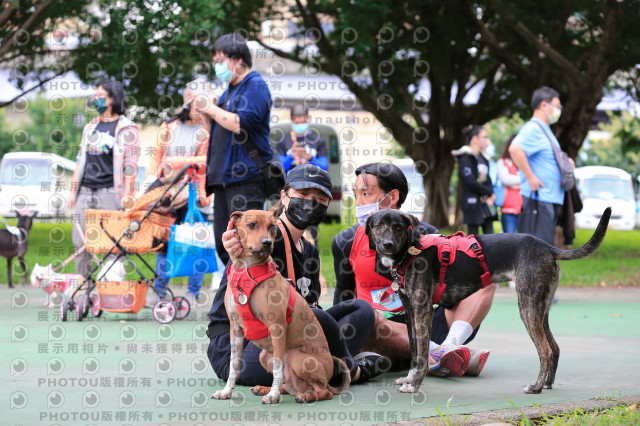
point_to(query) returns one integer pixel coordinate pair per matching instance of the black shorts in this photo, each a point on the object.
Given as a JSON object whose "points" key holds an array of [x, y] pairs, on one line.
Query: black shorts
{"points": [[439, 326]]}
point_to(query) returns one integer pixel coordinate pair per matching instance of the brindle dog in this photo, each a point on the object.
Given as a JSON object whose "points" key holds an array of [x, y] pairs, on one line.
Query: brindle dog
{"points": [[531, 262]]}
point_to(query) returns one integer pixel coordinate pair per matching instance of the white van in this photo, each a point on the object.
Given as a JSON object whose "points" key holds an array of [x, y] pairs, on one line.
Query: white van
{"points": [[39, 181], [601, 187], [416, 199]]}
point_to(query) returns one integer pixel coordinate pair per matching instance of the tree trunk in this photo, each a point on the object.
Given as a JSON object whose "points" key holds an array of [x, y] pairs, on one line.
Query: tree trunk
{"points": [[436, 184], [577, 115]]}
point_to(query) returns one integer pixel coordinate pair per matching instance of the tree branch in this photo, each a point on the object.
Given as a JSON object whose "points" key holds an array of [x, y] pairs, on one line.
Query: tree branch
{"points": [[540, 45], [7, 103], [6, 13], [5, 47]]}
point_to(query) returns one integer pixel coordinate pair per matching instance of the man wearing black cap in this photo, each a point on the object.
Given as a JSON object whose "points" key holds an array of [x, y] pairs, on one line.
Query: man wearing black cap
{"points": [[301, 145], [346, 326]]}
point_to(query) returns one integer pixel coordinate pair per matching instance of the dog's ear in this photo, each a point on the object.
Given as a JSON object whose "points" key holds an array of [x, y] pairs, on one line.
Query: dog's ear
{"points": [[412, 228], [236, 217], [275, 209]]}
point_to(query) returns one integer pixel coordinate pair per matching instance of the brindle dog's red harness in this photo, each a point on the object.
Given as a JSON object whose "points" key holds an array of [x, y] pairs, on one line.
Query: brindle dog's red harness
{"points": [[448, 246]]}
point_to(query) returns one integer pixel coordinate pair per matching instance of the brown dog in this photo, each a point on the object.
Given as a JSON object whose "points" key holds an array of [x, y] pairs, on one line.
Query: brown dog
{"points": [[295, 349]]}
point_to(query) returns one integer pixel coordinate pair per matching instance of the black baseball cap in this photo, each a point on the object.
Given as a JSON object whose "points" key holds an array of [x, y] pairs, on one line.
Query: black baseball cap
{"points": [[310, 176]]}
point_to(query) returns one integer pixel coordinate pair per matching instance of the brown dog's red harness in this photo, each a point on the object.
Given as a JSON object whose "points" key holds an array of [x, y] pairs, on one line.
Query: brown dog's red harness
{"points": [[242, 282], [448, 246]]}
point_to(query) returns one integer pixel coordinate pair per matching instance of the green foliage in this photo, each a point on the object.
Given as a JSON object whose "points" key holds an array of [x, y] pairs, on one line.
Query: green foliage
{"points": [[6, 141], [618, 147], [57, 125], [153, 47], [501, 129], [622, 414]]}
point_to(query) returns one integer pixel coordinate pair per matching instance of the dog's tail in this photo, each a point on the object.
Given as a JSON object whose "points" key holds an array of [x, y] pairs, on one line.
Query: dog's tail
{"points": [[591, 245], [341, 378]]}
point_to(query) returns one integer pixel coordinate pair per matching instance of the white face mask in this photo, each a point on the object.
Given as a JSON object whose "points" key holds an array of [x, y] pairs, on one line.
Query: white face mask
{"points": [[555, 115], [364, 211]]}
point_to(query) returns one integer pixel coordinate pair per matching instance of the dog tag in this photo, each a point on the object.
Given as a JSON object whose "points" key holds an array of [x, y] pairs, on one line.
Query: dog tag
{"points": [[303, 284], [242, 299], [395, 286]]}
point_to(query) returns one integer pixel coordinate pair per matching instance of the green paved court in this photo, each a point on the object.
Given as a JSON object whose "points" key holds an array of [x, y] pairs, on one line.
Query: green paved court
{"points": [[119, 370]]}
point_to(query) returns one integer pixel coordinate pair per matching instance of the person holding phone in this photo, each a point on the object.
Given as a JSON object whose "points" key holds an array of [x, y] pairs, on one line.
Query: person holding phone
{"points": [[302, 145]]}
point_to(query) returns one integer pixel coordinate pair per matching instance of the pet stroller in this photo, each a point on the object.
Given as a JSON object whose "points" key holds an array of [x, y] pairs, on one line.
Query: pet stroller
{"points": [[116, 234]]}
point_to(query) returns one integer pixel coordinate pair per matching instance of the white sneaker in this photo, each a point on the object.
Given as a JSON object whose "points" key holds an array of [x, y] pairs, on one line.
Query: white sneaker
{"points": [[192, 298]]}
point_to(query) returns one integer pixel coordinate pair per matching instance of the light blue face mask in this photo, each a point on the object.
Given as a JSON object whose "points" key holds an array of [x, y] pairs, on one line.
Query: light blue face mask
{"points": [[223, 72], [300, 128]]}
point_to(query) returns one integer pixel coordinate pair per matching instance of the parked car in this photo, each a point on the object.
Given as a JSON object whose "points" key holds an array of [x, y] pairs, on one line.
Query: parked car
{"points": [[602, 187], [39, 181], [416, 199], [283, 127]]}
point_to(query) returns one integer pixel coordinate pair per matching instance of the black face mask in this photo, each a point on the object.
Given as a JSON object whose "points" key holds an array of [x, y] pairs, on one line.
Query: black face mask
{"points": [[303, 213]]}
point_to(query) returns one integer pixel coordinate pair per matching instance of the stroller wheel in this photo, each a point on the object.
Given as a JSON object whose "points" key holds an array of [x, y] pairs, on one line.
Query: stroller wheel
{"points": [[164, 311], [64, 309], [81, 308], [182, 307], [94, 301]]}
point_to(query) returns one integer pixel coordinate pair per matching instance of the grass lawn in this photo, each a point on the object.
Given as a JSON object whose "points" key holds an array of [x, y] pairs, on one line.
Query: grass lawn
{"points": [[615, 262]]}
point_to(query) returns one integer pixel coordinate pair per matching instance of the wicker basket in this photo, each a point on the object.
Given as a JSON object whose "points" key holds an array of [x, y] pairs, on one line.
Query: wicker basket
{"points": [[116, 223], [122, 296]]}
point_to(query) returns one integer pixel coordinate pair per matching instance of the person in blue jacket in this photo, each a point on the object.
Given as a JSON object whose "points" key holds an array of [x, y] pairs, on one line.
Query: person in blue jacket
{"points": [[239, 118], [301, 145]]}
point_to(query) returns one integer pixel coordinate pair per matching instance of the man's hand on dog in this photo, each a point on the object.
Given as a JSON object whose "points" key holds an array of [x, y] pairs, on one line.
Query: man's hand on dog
{"points": [[231, 241]]}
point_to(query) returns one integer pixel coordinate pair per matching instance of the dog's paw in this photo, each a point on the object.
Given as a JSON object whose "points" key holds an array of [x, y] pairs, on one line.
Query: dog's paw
{"points": [[260, 390], [222, 394], [532, 389], [407, 388], [272, 397], [403, 380]]}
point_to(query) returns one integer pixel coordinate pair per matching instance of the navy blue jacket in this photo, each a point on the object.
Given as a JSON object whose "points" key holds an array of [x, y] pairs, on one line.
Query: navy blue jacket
{"points": [[251, 100]]}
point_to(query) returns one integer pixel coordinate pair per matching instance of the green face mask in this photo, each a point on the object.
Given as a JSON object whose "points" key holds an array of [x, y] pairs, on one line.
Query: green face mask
{"points": [[100, 104]]}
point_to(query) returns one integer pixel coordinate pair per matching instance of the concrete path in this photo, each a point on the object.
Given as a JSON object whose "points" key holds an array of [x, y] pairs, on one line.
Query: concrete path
{"points": [[121, 369]]}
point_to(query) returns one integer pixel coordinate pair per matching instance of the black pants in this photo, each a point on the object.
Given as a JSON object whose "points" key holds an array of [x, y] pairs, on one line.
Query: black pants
{"points": [[346, 326], [230, 198], [487, 228], [539, 219]]}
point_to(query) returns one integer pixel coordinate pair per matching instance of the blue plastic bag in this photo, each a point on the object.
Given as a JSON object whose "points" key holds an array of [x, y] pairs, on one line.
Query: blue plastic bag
{"points": [[191, 250]]}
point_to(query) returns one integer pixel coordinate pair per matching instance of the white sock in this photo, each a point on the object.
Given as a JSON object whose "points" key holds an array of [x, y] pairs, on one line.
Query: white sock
{"points": [[432, 346], [459, 332]]}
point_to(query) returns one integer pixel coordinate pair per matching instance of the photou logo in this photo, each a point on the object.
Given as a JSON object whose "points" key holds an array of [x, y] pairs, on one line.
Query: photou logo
{"points": [[126, 366], [19, 300], [127, 399], [18, 400], [19, 366], [19, 333], [55, 366]]}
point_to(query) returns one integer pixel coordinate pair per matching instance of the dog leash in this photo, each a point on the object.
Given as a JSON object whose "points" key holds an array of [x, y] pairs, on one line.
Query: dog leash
{"points": [[287, 248]]}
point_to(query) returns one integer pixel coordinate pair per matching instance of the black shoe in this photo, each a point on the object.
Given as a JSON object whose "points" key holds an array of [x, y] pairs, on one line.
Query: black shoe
{"points": [[371, 365]]}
